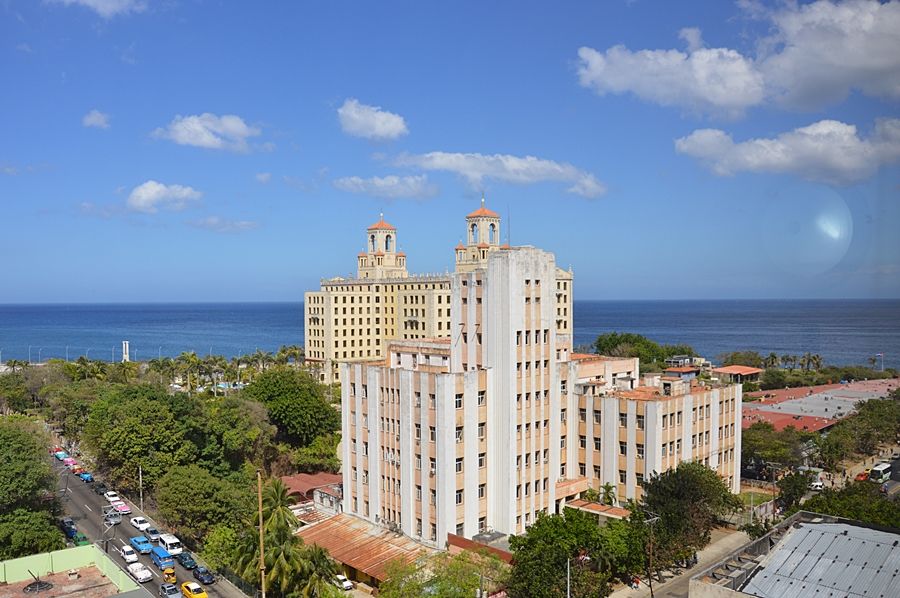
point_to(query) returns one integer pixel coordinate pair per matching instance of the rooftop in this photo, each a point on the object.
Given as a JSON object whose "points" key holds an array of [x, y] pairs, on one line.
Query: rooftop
{"points": [[811, 555], [483, 212], [738, 370], [362, 545], [382, 225], [594, 507], [83, 571], [303, 483], [684, 369]]}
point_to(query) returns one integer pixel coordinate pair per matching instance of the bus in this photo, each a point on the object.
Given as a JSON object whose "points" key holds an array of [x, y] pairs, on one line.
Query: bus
{"points": [[880, 473]]}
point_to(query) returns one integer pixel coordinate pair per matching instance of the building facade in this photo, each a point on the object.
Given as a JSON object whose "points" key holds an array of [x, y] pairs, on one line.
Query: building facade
{"points": [[495, 420]]}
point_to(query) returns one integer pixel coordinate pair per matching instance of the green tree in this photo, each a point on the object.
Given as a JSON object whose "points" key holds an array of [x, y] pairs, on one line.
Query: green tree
{"points": [[194, 502], [608, 494], [792, 488], [628, 344], [318, 570], [25, 474], [761, 443], [296, 404], [861, 501], [220, 546], [24, 532], [403, 580], [14, 395], [320, 455], [446, 575], [541, 554], [748, 358]]}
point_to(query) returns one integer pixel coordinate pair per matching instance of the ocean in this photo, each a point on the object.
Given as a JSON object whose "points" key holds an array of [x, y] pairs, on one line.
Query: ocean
{"points": [[841, 331]]}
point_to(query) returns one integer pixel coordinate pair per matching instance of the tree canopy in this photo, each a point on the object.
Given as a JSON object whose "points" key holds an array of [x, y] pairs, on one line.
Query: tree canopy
{"points": [[629, 344]]}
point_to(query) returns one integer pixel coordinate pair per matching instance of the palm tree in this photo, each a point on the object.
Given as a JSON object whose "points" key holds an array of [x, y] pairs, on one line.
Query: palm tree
{"points": [[805, 361], [165, 367], [608, 494], [286, 353], [785, 361], [16, 365], [771, 361], [816, 362], [319, 571], [187, 364], [873, 361], [277, 502]]}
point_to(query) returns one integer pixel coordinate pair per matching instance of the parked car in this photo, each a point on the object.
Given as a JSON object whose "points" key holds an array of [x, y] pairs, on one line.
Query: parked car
{"points": [[139, 523], [128, 554], [186, 560], [141, 544], [168, 575], [100, 488], [152, 533], [111, 496], [61, 455], [190, 589], [204, 575], [80, 539], [816, 485], [168, 590], [112, 517], [86, 476], [121, 507], [895, 455], [139, 572], [862, 476], [67, 525], [343, 583]]}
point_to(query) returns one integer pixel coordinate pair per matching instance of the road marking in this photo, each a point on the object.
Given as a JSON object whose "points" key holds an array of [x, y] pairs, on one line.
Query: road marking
{"points": [[88, 508]]}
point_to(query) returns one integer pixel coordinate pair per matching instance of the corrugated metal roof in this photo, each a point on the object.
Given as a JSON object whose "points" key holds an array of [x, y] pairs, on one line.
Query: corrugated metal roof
{"points": [[362, 545], [830, 559]]}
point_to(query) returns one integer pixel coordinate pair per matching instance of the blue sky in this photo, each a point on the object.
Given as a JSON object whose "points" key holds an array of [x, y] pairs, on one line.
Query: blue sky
{"points": [[188, 150]]}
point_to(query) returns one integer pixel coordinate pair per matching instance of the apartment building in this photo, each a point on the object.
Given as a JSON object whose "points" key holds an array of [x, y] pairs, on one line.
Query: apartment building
{"points": [[498, 420]]}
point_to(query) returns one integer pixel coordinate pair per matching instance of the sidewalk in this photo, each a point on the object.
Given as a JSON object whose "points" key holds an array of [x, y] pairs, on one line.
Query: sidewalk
{"points": [[723, 542]]}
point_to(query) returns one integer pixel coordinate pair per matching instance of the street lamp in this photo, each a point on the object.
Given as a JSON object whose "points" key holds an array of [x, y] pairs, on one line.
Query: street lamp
{"points": [[582, 558], [40, 349], [29, 354], [87, 354]]}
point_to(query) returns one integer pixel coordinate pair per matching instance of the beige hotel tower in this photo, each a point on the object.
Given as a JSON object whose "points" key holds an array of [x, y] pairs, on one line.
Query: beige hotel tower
{"points": [[464, 408]]}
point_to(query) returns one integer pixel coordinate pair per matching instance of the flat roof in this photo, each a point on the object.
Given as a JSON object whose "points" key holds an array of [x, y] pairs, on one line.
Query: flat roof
{"points": [[828, 559], [738, 370]]}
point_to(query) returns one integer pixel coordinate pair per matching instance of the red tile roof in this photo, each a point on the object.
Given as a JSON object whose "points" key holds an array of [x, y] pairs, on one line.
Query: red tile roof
{"points": [[302, 483], [684, 369], [593, 507], [382, 225], [738, 370], [483, 212], [780, 421], [362, 545], [460, 246]]}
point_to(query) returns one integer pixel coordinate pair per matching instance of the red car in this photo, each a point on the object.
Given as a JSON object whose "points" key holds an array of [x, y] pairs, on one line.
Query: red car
{"points": [[862, 476]]}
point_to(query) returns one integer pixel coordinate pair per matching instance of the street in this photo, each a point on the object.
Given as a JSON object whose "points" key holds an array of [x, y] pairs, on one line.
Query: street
{"points": [[85, 508]]}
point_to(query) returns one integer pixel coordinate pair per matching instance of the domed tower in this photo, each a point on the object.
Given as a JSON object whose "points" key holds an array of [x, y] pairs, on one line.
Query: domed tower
{"points": [[381, 258], [483, 237]]}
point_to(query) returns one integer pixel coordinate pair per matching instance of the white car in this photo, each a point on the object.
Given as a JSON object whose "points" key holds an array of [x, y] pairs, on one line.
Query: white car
{"points": [[128, 554], [343, 583], [816, 485], [139, 523], [111, 496], [139, 572]]}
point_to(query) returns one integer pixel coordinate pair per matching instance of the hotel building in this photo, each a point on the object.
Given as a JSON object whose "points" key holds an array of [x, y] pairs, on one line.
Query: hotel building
{"points": [[486, 419]]}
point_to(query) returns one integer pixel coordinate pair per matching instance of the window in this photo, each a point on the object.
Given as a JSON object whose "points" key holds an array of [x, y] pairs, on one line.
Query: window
{"points": [[432, 435], [678, 418], [481, 427], [432, 464], [433, 497], [418, 461], [562, 442], [622, 476], [459, 401], [481, 490], [623, 420], [365, 449], [639, 419], [481, 397], [596, 444], [418, 527], [582, 415], [582, 441], [482, 460], [581, 469], [459, 435], [623, 448], [459, 497], [640, 451], [665, 421], [562, 415], [418, 399], [418, 431], [431, 401], [460, 529], [639, 478], [459, 464], [418, 493], [482, 524], [596, 416], [353, 474], [678, 445]]}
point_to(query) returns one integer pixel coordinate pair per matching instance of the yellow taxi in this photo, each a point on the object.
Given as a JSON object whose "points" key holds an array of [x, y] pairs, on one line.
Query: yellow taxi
{"points": [[192, 589], [168, 575]]}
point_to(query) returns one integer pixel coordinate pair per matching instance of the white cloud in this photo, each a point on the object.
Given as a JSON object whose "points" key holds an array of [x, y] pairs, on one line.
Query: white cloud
{"points": [[228, 132], [150, 196], [23, 47], [95, 118], [107, 8], [522, 170], [716, 80], [221, 225], [264, 177], [822, 51], [816, 54], [389, 187], [827, 151], [370, 122], [9, 170]]}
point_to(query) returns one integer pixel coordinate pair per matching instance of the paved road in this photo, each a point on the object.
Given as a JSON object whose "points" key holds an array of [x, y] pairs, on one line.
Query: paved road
{"points": [[85, 508]]}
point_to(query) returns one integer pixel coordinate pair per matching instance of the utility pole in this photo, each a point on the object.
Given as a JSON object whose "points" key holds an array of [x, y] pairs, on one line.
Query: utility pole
{"points": [[262, 558], [653, 519], [141, 484], [568, 578]]}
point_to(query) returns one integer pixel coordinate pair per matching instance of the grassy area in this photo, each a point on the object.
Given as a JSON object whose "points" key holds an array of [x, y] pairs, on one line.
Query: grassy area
{"points": [[757, 497]]}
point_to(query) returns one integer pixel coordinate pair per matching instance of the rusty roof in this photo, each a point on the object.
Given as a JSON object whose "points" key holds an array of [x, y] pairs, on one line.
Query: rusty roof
{"points": [[605, 510], [302, 483], [362, 545]]}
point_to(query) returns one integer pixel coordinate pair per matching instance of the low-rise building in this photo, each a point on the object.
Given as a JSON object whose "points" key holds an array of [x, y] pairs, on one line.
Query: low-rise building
{"points": [[737, 374]]}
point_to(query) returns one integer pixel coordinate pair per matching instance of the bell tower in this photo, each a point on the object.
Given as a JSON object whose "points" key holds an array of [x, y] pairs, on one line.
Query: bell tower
{"points": [[381, 258], [482, 237]]}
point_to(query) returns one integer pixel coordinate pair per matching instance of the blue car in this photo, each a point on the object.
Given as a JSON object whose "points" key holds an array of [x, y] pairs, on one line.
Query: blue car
{"points": [[141, 544], [204, 575], [86, 476], [68, 527]]}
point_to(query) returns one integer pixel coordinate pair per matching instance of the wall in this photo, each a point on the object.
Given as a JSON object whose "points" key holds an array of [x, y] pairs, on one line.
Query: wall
{"points": [[16, 570]]}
